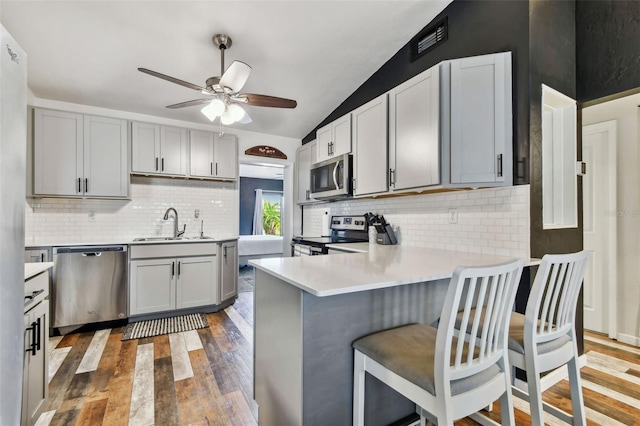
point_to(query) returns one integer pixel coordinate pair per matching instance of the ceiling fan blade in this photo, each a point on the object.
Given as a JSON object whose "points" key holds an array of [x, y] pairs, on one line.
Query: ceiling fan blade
{"points": [[172, 79], [235, 76], [267, 101], [189, 103]]}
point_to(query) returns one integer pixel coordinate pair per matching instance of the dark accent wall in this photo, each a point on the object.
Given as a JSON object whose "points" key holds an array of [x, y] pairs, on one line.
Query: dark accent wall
{"points": [[248, 188], [475, 28], [608, 48]]}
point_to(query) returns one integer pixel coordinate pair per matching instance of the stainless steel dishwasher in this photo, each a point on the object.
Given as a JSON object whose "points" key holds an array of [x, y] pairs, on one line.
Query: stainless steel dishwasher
{"points": [[89, 285]]}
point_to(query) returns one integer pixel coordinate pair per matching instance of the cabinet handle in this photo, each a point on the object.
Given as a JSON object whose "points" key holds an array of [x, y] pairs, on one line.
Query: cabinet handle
{"points": [[162, 162], [79, 187], [499, 165], [216, 169], [392, 177], [86, 185], [156, 164], [224, 250], [32, 346], [173, 269], [38, 334], [307, 194], [179, 268], [212, 168], [41, 257]]}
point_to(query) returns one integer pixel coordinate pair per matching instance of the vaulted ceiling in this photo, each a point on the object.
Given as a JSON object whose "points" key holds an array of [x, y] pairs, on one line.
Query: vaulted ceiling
{"points": [[316, 52]]}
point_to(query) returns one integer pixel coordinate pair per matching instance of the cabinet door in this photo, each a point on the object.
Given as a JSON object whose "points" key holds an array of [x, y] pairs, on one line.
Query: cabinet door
{"points": [[370, 137], [57, 153], [341, 136], [201, 153], [414, 142], [225, 157], [173, 150], [304, 157], [145, 148], [324, 136], [36, 365], [228, 270], [106, 171], [481, 123], [152, 286], [197, 282]]}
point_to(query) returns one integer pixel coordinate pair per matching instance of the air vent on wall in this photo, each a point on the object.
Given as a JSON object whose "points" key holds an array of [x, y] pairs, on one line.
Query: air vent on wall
{"points": [[429, 38]]}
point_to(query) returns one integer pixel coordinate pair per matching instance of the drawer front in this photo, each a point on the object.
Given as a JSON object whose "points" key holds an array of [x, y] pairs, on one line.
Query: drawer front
{"points": [[148, 251]]}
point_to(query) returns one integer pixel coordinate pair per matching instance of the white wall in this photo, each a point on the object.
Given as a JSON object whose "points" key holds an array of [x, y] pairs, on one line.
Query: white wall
{"points": [[57, 221], [491, 221], [627, 115]]}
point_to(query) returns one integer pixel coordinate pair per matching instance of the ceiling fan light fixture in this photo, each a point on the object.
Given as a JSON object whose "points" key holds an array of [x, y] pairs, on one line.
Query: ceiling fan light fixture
{"points": [[236, 111], [226, 118], [214, 109]]}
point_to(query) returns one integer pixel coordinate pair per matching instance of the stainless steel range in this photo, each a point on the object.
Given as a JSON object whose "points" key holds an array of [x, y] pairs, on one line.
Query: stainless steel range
{"points": [[344, 229]]}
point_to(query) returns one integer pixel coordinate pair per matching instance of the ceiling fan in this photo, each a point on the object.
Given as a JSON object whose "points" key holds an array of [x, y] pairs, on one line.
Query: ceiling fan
{"points": [[225, 99]]}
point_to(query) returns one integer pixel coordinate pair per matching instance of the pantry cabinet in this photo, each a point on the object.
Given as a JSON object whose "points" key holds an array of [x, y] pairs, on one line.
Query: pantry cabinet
{"points": [[334, 139], [305, 156], [158, 150], [370, 139], [414, 132], [78, 155], [213, 156], [477, 136]]}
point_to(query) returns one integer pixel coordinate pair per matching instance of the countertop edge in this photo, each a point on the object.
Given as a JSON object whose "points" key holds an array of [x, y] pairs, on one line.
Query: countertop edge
{"points": [[33, 269]]}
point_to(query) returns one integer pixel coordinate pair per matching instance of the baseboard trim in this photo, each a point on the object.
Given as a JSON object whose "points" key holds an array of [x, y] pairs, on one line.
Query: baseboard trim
{"points": [[553, 377], [628, 339]]}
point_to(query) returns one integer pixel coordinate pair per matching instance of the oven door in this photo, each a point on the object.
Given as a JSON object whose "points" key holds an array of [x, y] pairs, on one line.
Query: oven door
{"points": [[331, 179]]}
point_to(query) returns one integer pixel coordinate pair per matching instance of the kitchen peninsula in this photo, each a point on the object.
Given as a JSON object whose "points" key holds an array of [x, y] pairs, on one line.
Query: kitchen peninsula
{"points": [[308, 311]]}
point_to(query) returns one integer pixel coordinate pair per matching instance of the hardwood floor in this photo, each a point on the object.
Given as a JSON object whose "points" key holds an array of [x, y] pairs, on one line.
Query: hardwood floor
{"points": [[204, 377]]}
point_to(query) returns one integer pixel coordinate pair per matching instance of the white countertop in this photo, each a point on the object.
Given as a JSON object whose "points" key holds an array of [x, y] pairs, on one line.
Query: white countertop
{"points": [[122, 241], [380, 267], [33, 269]]}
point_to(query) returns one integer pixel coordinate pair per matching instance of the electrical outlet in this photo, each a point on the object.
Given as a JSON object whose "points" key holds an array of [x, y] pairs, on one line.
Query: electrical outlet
{"points": [[196, 213], [453, 216], [92, 216]]}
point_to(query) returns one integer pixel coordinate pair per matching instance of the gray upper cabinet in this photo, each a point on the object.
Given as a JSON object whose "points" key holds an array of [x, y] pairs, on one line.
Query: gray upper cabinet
{"points": [[79, 155], [305, 155], [477, 134], [213, 156], [414, 139], [158, 149], [369, 139], [334, 139]]}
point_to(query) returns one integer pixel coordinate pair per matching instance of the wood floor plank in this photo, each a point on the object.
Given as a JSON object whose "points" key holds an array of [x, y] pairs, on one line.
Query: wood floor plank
{"points": [[238, 410], [189, 406], [120, 385], [65, 418], [59, 385], [98, 388], [142, 404], [180, 357], [208, 391], [56, 358], [45, 418], [68, 340], [618, 353], [610, 382], [192, 340], [93, 353], [166, 402], [222, 339], [242, 325], [605, 340], [161, 348], [92, 413]]}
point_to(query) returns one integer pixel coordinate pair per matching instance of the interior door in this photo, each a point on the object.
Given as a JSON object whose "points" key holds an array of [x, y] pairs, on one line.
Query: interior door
{"points": [[599, 205]]}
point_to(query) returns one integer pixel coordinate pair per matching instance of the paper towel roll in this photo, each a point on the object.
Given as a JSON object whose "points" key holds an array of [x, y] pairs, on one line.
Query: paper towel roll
{"points": [[326, 225]]}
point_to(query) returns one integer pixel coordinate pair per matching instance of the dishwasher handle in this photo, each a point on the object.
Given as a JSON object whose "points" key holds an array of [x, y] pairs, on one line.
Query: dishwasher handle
{"points": [[88, 250]]}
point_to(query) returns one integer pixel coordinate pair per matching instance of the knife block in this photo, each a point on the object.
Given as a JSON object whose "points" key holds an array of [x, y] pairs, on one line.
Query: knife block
{"points": [[387, 237]]}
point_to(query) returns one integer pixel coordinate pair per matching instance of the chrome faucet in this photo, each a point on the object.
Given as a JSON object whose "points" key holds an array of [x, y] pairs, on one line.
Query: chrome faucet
{"points": [[176, 233]]}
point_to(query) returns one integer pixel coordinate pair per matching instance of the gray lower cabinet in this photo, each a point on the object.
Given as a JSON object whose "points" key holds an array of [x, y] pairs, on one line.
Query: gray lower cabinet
{"points": [[228, 255], [36, 362], [168, 277]]}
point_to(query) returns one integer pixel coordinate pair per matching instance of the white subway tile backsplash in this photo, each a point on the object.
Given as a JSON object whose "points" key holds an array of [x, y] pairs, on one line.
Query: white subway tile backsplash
{"points": [[492, 221], [57, 219]]}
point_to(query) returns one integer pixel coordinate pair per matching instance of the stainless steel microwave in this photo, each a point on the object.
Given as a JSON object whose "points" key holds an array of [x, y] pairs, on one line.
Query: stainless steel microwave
{"points": [[331, 179]]}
